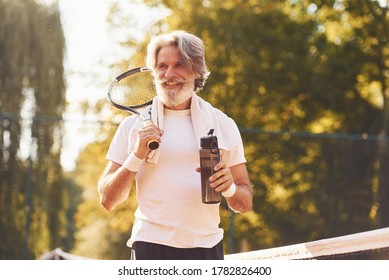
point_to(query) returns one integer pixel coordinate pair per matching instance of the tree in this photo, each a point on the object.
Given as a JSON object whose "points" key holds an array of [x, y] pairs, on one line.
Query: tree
{"points": [[371, 34], [32, 93]]}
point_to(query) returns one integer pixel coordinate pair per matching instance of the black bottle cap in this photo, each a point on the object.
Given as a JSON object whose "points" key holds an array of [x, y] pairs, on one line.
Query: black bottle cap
{"points": [[209, 141]]}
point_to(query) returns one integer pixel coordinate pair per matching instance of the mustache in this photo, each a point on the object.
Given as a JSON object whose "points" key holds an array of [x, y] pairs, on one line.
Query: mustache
{"points": [[164, 80]]}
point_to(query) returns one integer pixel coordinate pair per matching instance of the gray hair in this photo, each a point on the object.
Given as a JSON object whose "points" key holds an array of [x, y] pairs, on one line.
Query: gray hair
{"points": [[191, 49]]}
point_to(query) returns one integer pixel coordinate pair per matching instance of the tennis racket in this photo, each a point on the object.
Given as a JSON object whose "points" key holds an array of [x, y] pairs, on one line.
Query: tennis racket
{"points": [[134, 90]]}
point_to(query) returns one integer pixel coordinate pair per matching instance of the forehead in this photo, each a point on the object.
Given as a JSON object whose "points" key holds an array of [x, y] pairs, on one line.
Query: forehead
{"points": [[168, 54]]}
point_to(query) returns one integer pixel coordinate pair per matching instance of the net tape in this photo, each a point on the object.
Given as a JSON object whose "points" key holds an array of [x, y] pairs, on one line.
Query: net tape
{"points": [[372, 244]]}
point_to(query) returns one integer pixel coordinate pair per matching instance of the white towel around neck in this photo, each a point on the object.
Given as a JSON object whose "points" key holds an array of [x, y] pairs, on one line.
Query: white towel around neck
{"points": [[204, 118]]}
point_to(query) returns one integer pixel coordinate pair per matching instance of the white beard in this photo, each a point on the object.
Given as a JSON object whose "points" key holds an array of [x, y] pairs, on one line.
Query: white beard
{"points": [[174, 97]]}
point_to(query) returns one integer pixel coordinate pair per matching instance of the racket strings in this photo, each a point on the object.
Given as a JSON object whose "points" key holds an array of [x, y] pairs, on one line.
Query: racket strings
{"points": [[133, 90]]}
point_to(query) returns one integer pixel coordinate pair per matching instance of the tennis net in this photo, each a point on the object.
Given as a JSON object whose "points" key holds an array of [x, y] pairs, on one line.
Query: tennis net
{"points": [[369, 245]]}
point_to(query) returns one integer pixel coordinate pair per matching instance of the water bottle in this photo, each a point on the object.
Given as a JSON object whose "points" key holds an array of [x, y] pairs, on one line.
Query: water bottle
{"points": [[209, 157]]}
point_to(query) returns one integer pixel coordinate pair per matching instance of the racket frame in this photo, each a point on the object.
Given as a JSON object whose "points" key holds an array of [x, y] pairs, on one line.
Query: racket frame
{"points": [[122, 76], [153, 144]]}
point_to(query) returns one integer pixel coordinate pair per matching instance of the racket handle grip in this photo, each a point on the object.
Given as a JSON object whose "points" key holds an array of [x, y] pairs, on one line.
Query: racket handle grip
{"points": [[152, 144]]}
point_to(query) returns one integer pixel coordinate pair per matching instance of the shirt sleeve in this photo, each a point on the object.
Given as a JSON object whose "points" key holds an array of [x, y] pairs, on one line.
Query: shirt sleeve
{"points": [[117, 151], [234, 156]]}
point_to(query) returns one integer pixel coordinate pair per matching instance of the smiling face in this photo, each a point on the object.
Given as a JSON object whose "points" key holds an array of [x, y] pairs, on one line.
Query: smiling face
{"points": [[174, 81]]}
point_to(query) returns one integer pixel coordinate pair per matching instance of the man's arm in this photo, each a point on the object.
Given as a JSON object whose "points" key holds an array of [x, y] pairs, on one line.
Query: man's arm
{"points": [[114, 185], [242, 200]]}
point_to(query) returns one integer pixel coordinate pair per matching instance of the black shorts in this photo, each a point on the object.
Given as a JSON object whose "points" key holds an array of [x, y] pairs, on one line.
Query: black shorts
{"points": [[150, 251]]}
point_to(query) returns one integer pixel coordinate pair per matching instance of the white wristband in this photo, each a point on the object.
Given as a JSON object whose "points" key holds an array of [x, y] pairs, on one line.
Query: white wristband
{"points": [[133, 163], [230, 192]]}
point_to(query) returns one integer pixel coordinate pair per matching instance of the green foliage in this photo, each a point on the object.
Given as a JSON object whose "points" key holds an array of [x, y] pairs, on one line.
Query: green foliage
{"points": [[32, 192]]}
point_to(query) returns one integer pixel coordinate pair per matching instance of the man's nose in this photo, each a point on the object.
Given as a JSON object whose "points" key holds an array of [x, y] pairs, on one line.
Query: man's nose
{"points": [[170, 73]]}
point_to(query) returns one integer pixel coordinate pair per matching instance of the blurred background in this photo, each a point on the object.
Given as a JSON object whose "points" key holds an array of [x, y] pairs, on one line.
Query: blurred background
{"points": [[306, 81]]}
